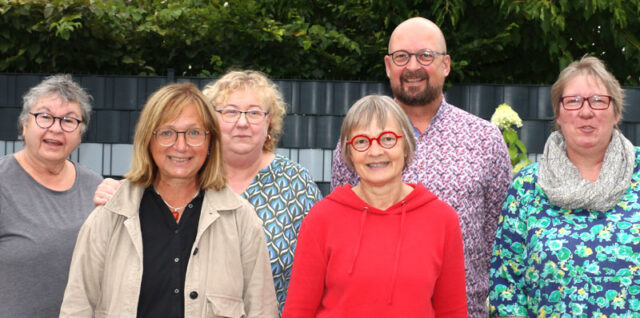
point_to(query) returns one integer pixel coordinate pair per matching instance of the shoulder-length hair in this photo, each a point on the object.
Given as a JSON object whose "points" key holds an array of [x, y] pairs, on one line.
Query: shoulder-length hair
{"points": [[383, 109], [165, 105], [257, 82]]}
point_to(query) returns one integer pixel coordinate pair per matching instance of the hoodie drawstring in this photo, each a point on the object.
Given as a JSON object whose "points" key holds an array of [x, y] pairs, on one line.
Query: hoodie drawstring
{"points": [[363, 218], [396, 258]]}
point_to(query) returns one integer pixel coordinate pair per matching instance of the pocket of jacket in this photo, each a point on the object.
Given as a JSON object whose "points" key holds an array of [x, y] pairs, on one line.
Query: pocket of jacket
{"points": [[223, 306]]}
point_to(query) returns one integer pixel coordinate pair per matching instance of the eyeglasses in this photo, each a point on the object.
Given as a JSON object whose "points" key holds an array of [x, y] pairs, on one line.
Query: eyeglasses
{"points": [[194, 137], [46, 120], [386, 140], [232, 115], [424, 57], [598, 102]]}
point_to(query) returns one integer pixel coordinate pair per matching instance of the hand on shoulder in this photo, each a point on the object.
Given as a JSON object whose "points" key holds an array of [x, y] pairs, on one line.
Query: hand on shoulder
{"points": [[105, 190]]}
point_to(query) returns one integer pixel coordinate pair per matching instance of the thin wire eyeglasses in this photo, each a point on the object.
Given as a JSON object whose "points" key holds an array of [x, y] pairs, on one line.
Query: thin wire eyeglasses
{"points": [[386, 140], [167, 137], [232, 115], [46, 120], [424, 57], [597, 102]]}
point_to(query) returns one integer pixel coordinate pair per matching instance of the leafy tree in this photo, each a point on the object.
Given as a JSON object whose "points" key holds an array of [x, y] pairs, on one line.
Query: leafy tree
{"points": [[502, 41], [554, 33]]}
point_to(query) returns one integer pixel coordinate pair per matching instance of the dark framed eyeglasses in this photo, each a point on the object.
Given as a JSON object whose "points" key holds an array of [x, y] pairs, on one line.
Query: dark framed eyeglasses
{"points": [[167, 137], [425, 57], [386, 140], [232, 115], [598, 102], [46, 120]]}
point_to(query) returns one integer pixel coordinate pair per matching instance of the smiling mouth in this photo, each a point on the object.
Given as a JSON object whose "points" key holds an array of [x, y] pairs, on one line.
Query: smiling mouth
{"points": [[414, 76], [378, 164], [413, 79], [179, 159]]}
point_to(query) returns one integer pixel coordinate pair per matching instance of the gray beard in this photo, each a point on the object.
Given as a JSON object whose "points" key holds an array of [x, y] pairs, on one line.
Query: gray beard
{"points": [[426, 96]]}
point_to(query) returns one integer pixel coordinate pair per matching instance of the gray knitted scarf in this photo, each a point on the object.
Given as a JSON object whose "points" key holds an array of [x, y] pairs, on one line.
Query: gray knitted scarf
{"points": [[563, 184]]}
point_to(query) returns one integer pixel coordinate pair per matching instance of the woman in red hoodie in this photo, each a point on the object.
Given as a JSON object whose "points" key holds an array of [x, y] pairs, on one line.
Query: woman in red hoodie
{"points": [[382, 248]]}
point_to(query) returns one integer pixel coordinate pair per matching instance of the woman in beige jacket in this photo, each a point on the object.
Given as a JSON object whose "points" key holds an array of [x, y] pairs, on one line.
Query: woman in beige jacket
{"points": [[174, 241]]}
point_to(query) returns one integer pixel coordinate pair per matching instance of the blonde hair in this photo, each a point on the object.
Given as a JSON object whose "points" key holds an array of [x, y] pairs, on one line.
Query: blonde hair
{"points": [[381, 108], [164, 105], [218, 92], [593, 68]]}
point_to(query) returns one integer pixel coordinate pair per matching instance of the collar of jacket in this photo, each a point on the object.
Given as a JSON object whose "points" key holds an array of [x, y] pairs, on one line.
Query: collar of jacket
{"points": [[126, 201]]}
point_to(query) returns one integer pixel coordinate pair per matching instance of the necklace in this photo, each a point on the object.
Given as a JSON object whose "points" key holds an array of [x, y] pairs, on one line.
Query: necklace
{"points": [[174, 210]]}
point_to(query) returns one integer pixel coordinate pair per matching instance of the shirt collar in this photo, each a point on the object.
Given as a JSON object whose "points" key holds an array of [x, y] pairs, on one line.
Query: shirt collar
{"points": [[441, 110]]}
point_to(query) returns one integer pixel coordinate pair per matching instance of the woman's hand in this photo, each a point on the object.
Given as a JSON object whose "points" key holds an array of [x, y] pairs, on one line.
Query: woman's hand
{"points": [[105, 190]]}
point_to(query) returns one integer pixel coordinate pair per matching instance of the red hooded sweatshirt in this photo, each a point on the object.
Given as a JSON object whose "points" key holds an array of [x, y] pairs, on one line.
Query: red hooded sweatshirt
{"points": [[353, 260]]}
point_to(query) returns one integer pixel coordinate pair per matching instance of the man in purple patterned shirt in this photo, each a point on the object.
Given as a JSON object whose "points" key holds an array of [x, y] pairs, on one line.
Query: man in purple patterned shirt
{"points": [[459, 157]]}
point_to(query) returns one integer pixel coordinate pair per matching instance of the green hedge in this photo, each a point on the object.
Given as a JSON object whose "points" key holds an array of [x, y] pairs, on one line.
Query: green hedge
{"points": [[503, 41]]}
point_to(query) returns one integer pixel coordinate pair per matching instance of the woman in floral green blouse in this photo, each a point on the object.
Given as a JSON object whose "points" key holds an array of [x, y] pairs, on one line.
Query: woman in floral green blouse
{"points": [[568, 241]]}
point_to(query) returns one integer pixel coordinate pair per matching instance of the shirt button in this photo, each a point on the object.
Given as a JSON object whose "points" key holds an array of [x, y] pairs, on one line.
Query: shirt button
{"points": [[177, 259], [190, 205], [193, 294], [176, 291], [176, 231]]}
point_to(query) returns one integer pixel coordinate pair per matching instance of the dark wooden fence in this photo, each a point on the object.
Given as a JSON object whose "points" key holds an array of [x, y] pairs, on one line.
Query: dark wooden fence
{"points": [[312, 125]]}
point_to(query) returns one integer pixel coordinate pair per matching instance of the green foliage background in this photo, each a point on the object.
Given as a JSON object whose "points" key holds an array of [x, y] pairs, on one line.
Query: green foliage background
{"points": [[490, 41]]}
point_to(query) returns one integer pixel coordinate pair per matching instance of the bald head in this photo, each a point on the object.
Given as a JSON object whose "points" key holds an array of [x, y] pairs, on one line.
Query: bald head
{"points": [[418, 83], [418, 28]]}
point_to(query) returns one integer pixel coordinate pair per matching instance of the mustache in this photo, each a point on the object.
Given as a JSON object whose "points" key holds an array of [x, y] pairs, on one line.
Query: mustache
{"points": [[417, 73]]}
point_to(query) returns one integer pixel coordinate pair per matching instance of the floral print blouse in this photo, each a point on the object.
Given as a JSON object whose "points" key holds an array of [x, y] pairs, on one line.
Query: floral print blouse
{"points": [[553, 262]]}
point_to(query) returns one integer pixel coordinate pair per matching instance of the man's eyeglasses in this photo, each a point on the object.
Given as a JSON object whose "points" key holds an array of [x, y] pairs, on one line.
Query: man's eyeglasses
{"points": [[424, 57], [167, 137], [232, 115], [46, 120], [598, 102], [386, 139]]}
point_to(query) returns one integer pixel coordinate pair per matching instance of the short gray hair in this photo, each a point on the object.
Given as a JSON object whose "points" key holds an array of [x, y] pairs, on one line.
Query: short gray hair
{"points": [[381, 108], [63, 86]]}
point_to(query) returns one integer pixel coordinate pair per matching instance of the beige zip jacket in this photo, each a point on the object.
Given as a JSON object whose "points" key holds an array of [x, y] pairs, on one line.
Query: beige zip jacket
{"points": [[228, 274]]}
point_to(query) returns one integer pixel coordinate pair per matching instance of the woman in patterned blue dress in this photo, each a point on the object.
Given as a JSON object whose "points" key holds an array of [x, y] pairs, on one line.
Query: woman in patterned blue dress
{"points": [[251, 111], [568, 241]]}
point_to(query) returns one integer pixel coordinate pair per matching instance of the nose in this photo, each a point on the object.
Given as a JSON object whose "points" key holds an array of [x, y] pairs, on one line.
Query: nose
{"points": [[413, 63], [242, 120], [585, 111], [374, 148], [181, 142], [56, 126]]}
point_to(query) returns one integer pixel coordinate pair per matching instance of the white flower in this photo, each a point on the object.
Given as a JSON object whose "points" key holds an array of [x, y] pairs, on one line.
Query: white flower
{"points": [[504, 117]]}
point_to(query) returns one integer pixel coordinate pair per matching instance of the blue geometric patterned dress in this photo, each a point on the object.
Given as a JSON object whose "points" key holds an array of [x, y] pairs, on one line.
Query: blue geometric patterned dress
{"points": [[282, 195], [554, 262]]}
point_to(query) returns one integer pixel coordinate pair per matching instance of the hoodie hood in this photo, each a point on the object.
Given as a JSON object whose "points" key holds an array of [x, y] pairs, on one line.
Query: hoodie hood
{"points": [[420, 196], [416, 200]]}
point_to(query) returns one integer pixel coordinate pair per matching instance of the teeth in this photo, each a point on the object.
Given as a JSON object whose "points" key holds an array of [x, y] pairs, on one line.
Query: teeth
{"points": [[179, 159], [52, 142], [377, 165]]}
